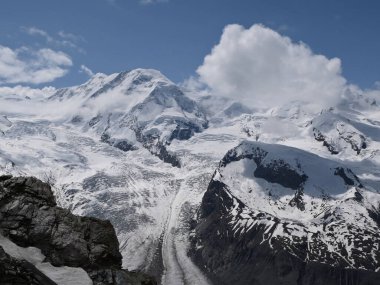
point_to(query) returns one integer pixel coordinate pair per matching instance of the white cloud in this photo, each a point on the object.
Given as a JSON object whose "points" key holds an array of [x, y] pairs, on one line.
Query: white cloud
{"points": [[373, 94], [147, 2], [69, 36], [25, 65], [142, 2], [86, 70], [52, 57], [33, 31], [63, 39], [26, 91], [261, 68]]}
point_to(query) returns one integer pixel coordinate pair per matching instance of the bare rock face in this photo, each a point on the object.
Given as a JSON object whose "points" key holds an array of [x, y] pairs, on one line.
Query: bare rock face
{"points": [[29, 217]]}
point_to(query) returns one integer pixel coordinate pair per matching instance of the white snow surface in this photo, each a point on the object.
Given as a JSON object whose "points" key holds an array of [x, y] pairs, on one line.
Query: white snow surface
{"points": [[151, 202], [61, 275]]}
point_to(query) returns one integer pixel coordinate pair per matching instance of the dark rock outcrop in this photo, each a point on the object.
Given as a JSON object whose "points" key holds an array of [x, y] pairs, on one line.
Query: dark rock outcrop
{"points": [[157, 148], [348, 176], [29, 216], [123, 145], [184, 130], [282, 173], [333, 149]]}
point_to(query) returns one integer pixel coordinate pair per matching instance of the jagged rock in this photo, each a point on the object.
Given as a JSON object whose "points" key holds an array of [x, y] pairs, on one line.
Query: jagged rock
{"points": [[29, 217]]}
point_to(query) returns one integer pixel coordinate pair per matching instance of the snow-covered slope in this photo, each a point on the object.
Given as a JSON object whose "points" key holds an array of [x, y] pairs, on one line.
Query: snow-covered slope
{"points": [[60, 275], [136, 149], [4, 124]]}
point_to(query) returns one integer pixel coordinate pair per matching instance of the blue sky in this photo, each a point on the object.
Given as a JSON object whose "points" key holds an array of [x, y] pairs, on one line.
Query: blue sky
{"points": [[174, 36]]}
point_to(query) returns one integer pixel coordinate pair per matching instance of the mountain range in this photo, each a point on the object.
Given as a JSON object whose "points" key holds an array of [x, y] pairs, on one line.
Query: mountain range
{"points": [[203, 189]]}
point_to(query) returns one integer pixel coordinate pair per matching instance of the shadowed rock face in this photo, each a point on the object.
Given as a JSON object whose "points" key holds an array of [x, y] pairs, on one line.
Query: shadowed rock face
{"points": [[29, 217], [280, 172]]}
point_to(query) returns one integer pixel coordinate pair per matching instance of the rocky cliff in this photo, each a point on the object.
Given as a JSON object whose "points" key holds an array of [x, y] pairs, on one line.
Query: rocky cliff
{"points": [[29, 217]]}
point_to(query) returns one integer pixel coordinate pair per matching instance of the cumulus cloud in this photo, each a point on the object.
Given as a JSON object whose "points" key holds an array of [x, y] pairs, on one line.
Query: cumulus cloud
{"points": [[25, 65], [262, 68]]}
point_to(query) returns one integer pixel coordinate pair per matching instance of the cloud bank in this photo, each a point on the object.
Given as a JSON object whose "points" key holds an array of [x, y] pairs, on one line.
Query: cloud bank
{"points": [[26, 91], [25, 65], [262, 68]]}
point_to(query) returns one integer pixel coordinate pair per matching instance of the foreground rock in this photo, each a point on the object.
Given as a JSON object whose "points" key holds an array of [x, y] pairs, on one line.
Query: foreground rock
{"points": [[29, 216]]}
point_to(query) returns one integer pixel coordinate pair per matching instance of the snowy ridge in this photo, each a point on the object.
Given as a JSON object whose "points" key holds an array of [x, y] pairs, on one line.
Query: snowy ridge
{"points": [[323, 213]]}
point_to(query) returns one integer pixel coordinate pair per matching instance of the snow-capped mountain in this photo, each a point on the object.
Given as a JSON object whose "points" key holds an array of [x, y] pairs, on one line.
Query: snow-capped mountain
{"points": [[140, 108], [163, 164], [283, 215]]}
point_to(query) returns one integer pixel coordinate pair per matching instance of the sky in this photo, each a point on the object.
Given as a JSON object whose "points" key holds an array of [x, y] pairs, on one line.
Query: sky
{"points": [[62, 43]]}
